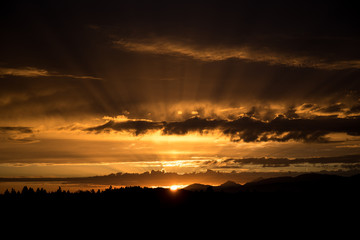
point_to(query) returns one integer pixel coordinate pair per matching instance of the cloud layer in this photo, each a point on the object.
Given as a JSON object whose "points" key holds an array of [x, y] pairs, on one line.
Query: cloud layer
{"points": [[219, 73], [36, 72], [153, 55], [246, 129], [17, 134], [221, 53]]}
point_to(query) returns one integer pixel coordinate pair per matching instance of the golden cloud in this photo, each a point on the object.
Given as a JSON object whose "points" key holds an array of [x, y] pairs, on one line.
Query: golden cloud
{"points": [[220, 53]]}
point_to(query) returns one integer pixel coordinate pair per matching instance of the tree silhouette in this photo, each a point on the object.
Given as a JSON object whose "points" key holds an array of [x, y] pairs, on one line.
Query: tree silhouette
{"points": [[323, 187]]}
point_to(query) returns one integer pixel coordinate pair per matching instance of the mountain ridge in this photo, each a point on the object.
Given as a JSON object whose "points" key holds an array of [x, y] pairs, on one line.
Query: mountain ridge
{"points": [[311, 182]]}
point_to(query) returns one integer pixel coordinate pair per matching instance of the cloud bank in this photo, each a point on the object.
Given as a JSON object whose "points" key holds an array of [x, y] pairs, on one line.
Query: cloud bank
{"points": [[246, 129], [17, 134], [221, 53], [284, 162], [36, 72]]}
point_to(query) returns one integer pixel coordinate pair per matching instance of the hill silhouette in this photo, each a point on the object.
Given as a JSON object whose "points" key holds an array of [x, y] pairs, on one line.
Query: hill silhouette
{"points": [[306, 196], [160, 178], [305, 183], [302, 197]]}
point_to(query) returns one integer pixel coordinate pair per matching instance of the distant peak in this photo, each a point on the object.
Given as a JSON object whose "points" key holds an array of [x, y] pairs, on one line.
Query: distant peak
{"points": [[197, 187], [230, 184]]}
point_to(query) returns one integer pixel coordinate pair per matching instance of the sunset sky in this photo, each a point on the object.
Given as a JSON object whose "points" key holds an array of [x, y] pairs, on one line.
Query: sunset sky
{"points": [[98, 87]]}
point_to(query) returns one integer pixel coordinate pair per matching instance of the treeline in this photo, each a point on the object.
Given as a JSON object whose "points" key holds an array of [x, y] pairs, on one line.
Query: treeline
{"points": [[121, 200], [311, 191], [28, 193], [133, 197], [130, 199]]}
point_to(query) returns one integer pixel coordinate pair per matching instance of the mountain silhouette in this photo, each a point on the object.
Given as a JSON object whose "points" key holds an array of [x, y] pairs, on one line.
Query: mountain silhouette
{"points": [[304, 193], [227, 187], [230, 184], [197, 187], [305, 183]]}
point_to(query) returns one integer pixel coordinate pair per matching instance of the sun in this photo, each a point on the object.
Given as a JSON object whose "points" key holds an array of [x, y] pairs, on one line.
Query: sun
{"points": [[174, 187]]}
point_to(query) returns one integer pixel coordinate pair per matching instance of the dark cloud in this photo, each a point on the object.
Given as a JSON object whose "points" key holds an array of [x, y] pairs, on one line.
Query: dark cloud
{"points": [[282, 162], [355, 109], [307, 106], [192, 125], [338, 107], [137, 127], [291, 113], [34, 72], [17, 134], [15, 129], [220, 53], [280, 129]]}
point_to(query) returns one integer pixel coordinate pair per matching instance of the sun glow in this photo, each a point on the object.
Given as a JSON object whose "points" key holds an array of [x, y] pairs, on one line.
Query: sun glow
{"points": [[174, 187]]}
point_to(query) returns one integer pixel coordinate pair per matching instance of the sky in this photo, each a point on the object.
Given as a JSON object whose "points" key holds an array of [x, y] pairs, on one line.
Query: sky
{"points": [[98, 87]]}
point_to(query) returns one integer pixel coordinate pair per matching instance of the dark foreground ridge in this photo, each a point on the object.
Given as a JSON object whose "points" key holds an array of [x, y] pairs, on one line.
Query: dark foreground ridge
{"points": [[310, 199], [306, 183], [308, 189]]}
